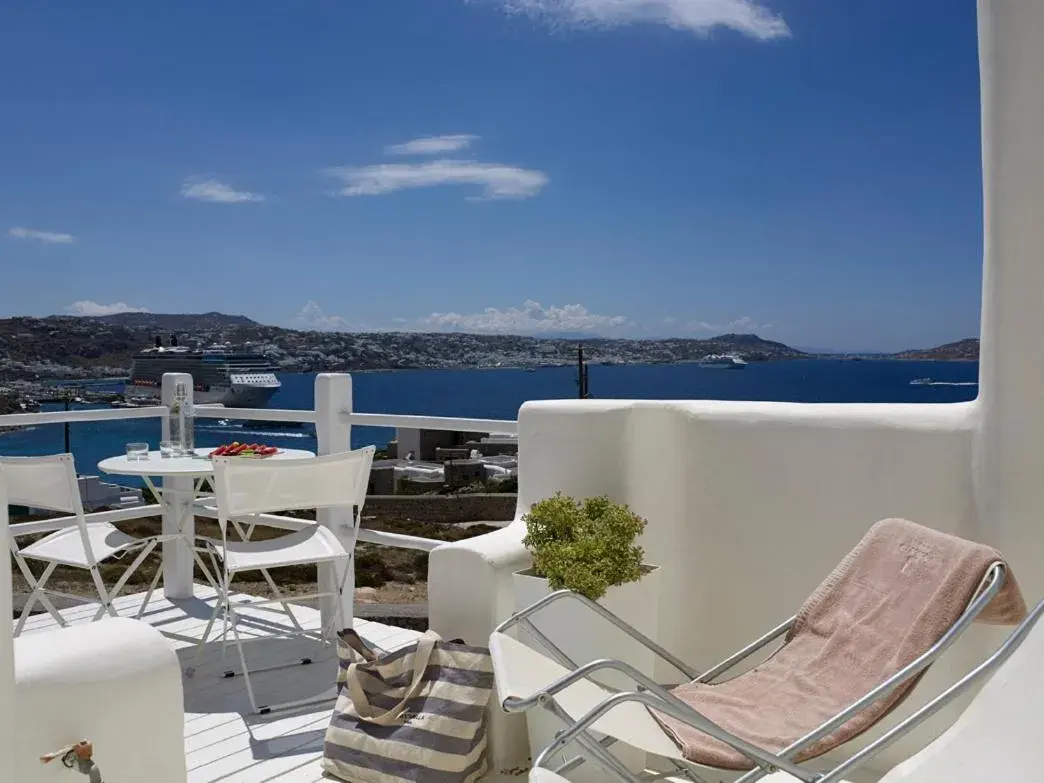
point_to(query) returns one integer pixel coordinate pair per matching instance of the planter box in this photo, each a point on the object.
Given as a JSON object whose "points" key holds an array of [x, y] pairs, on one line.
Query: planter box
{"points": [[585, 636]]}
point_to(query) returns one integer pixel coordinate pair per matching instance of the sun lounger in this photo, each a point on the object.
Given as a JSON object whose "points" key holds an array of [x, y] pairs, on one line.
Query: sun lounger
{"points": [[851, 655]]}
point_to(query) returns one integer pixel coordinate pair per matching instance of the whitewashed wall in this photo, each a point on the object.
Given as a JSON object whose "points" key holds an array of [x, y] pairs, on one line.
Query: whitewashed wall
{"points": [[749, 505]]}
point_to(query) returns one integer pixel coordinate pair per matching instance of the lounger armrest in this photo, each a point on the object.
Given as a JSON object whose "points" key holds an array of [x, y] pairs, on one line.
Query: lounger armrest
{"points": [[655, 698], [522, 618]]}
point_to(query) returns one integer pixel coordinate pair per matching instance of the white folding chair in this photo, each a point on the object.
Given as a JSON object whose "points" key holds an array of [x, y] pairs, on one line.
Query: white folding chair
{"points": [[250, 487], [50, 483]]}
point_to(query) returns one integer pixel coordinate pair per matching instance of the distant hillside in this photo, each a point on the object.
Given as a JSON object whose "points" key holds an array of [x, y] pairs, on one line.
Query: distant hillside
{"points": [[175, 322], [79, 347], [962, 350]]}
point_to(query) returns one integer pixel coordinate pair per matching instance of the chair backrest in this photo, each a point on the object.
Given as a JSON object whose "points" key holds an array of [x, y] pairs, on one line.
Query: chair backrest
{"points": [[42, 482], [46, 482], [998, 736], [245, 486]]}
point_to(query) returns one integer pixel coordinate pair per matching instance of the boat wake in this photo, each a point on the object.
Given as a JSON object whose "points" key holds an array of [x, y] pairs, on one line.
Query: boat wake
{"points": [[930, 382], [257, 433]]}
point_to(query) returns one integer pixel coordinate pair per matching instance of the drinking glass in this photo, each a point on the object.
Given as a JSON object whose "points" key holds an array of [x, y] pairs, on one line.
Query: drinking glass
{"points": [[168, 449], [137, 451]]}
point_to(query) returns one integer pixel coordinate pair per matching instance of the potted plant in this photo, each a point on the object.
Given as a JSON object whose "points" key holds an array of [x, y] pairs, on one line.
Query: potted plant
{"points": [[589, 547], [586, 547]]}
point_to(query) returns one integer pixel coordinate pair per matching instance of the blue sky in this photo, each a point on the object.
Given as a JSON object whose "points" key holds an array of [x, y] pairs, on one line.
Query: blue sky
{"points": [[802, 169]]}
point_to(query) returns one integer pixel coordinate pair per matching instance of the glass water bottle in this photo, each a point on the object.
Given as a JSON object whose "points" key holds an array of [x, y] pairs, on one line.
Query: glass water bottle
{"points": [[182, 421]]}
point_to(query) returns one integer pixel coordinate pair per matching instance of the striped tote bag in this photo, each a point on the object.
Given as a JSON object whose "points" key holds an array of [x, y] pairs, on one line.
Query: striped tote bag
{"points": [[417, 714]]}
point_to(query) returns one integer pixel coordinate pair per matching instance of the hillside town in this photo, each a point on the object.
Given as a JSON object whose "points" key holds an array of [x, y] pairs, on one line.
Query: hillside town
{"points": [[66, 347]]}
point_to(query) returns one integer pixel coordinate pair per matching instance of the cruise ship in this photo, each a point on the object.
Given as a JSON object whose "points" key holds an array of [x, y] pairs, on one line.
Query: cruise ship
{"points": [[723, 361], [219, 374]]}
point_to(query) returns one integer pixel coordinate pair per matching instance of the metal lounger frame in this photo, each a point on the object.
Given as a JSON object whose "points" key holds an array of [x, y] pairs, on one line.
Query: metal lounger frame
{"points": [[656, 696]]}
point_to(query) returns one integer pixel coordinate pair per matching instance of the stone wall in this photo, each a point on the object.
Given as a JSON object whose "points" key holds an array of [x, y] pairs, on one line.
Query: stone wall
{"points": [[492, 507]]}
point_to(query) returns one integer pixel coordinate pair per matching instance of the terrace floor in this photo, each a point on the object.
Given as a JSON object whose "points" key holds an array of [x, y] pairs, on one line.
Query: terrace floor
{"points": [[223, 740]]}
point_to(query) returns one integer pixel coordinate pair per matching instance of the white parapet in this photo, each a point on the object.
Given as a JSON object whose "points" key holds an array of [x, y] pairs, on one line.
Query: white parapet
{"points": [[116, 683], [749, 506]]}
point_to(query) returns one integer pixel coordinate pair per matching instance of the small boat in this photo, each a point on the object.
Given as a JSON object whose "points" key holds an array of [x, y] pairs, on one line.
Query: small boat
{"points": [[922, 382], [723, 361]]}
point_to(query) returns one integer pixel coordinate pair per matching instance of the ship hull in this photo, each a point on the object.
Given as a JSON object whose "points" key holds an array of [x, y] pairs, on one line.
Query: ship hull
{"points": [[237, 397]]}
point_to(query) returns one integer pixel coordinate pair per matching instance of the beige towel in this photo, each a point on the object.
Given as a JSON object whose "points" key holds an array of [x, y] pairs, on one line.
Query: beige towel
{"points": [[888, 601]]}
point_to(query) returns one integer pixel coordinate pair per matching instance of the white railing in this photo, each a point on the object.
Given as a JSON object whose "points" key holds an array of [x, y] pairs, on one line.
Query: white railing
{"points": [[61, 417], [333, 418], [430, 422]]}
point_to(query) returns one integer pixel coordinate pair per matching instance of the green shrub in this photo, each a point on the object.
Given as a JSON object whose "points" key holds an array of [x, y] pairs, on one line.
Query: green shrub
{"points": [[586, 547]]}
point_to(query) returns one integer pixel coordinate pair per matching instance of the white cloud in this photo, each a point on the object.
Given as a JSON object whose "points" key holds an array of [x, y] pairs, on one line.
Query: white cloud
{"points": [[749, 17], [47, 237], [742, 325], [433, 145], [218, 192], [498, 180], [313, 319], [531, 317], [85, 307]]}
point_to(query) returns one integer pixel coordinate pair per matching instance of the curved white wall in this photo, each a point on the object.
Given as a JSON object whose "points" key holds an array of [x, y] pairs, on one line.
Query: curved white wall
{"points": [[117, 683], [1010, 455]]}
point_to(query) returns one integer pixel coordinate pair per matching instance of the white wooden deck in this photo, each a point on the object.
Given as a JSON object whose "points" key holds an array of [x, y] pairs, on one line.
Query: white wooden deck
{"points": [[223, 741]]}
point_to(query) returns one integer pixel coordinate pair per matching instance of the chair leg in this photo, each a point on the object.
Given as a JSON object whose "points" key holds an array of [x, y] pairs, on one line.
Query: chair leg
{"points": [[242, 660], [239, 643], [150, 591], [37, 594], [282, 600], [126, 575], [103, 594], [221, 604]]}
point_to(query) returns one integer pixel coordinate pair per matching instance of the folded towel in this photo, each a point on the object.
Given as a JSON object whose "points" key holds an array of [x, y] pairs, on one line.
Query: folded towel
{"points": [[888, 601]]}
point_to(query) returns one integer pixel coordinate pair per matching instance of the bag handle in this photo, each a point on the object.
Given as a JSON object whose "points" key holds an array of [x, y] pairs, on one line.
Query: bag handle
{"points": [[425, 647]]}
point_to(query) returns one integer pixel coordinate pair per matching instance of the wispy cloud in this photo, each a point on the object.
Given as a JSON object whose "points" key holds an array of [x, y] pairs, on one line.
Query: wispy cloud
{"points": [[217, 192], [311, 318], [433, 145], [93, 308], [742, 325], [47, 237], [531, 317], [497, 180], [750, 17]]}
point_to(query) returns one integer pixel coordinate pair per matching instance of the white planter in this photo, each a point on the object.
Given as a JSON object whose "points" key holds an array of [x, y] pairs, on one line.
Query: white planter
{"points": [[585, 636]]}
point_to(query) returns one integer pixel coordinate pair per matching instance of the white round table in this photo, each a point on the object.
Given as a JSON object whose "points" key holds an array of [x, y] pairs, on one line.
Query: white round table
{"points": [[178, 467], [182, 481]]}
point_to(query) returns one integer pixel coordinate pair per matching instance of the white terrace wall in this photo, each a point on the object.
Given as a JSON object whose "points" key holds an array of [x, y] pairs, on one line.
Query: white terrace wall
{"points": [[749, 505]]}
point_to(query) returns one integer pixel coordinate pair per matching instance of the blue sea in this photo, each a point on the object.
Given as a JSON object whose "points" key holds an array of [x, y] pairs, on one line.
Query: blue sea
{"points": [[497, 394]]}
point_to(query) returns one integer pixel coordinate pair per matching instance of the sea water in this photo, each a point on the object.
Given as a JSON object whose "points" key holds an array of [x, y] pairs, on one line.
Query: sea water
{"points": [[498, 393]]}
